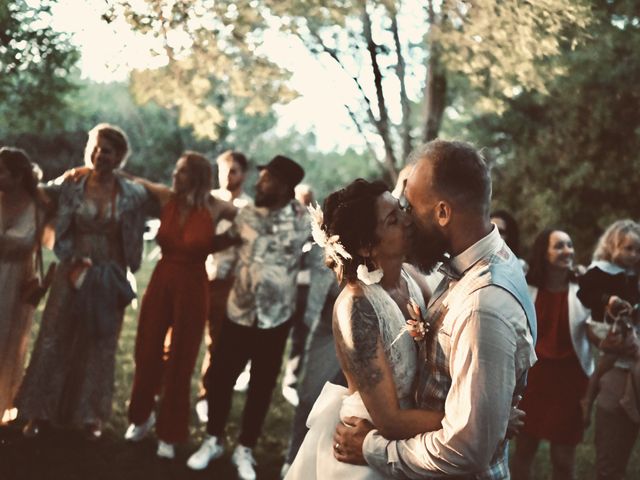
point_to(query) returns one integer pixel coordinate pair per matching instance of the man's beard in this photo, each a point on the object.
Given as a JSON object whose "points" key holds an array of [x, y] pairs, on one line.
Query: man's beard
{"points": [[427, 248], [265, 199]]}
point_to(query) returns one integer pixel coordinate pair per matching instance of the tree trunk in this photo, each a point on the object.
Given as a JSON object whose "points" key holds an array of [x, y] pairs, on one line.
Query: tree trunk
{"points": [[405, 131], [435, 88], [435, 95], [382, 124]]}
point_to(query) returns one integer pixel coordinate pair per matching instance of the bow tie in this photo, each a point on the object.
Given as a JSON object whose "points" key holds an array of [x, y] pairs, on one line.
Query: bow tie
{"points": [[448, 270]]}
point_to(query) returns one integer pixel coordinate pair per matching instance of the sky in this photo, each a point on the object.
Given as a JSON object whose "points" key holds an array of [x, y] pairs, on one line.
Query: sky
{"points": [[110, 51]]}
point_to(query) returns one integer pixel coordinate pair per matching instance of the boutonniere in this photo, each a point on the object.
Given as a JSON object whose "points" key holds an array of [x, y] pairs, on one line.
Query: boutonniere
{"points": [[416, 325]]}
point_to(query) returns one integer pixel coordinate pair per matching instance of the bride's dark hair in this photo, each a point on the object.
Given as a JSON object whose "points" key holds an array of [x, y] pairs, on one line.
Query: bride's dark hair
{"points": [[350, 213]]}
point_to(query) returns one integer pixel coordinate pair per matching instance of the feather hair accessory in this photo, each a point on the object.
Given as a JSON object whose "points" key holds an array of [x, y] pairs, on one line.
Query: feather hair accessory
{"points": [[331, 244]]}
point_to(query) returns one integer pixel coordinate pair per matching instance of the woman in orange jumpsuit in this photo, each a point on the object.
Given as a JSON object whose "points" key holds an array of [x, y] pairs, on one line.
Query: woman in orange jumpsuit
{"points": [[176, 299]]}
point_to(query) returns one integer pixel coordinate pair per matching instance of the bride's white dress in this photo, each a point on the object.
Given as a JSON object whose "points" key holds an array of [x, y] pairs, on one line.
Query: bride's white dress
{"points": [[315, 458]]}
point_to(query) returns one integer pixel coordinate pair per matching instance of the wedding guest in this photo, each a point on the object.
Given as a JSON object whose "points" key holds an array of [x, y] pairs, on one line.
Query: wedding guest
{"points": [[176, 300], [232, 172], [99, 227], [508, 228], [260, 305], [510, 233], [558, 380], [299, 327], [22, 217]]}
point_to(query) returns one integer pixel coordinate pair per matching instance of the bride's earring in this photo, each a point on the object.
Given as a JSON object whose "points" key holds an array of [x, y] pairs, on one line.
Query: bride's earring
{"points": [[367, 276]]}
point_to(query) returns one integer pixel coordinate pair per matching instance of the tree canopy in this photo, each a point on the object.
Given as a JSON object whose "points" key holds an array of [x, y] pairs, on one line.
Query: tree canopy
{"points": [[570, 158], [397, 57], [35, 62], [548, 88]]}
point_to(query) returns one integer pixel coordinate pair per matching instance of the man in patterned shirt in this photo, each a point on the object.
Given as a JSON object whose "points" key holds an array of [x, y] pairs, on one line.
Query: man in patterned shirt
{"points": [[481, 335], [259, 307]]}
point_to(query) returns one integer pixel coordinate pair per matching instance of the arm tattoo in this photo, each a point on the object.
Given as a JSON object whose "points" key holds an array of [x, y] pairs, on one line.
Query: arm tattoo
{"points": [[362, 352]]}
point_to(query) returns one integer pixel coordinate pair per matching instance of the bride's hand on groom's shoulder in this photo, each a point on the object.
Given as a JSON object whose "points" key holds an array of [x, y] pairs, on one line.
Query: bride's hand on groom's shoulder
{"points": [[348, 440]]}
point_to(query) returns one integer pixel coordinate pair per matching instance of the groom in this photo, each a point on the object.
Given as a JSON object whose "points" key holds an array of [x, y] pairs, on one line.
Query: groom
{"points": [[481, 335]]}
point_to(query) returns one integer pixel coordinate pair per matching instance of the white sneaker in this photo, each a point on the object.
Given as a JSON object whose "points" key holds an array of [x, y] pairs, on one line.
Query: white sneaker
{"points": [[166, 450], [284, 470], [243, 459], [210, 449], [135, 433], [290, 394], [202, 410], [242, 382]]}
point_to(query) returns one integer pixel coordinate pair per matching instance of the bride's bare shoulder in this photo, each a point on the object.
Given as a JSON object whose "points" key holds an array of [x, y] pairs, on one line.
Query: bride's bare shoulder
{"points": [[353, 314]]}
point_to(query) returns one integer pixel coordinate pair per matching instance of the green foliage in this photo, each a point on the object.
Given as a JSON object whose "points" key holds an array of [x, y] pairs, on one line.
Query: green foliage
{"points": [[214, 56], [214, 67], [35, 62], [570, 158], [502, 48]]}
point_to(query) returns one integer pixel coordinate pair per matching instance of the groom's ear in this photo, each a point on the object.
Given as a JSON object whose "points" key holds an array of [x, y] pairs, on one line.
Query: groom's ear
{"points": [[443, 213]]}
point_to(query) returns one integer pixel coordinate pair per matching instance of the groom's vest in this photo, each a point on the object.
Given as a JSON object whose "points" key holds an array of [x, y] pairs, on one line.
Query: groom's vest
{"points": [[501, 269], [506, 276], [502, 275]]}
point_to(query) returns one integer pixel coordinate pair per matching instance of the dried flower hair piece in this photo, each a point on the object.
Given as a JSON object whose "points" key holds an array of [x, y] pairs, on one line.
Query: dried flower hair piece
{"points": [[331, 244]]}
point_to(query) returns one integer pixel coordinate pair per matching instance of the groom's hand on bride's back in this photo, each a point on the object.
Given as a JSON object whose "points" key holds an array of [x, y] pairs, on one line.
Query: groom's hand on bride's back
{"points": [[516, 419], [348, 440]]}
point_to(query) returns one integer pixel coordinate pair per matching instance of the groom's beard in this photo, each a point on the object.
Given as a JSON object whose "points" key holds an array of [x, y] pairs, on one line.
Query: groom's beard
{"points": [[427, 248]]}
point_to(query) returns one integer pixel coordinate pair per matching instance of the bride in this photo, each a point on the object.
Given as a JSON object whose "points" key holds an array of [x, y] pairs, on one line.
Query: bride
{"points": [[366, 236]]}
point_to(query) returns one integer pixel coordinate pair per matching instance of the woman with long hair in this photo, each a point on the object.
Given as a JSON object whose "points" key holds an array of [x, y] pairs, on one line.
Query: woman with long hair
{"points": [[176, 300], [21, 219], [99, 226], [559, 379]]}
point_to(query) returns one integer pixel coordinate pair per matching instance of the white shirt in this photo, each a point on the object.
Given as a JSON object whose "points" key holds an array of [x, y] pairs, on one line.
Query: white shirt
{"points": [[221, 264]]}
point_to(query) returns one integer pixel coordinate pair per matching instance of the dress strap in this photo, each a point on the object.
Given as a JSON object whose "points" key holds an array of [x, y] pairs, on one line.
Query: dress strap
{"points": [[415, 292]]}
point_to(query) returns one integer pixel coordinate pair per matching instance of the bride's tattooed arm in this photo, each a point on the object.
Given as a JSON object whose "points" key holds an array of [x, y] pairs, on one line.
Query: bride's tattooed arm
{"points": [[368, 371], [360, 350]]}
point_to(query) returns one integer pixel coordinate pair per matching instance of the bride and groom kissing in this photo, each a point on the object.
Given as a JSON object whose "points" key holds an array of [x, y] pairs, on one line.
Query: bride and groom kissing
{"points": [[430, 397]]}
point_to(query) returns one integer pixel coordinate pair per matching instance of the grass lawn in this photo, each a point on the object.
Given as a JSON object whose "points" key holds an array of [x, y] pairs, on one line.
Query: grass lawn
{"points": [[65, 455]]}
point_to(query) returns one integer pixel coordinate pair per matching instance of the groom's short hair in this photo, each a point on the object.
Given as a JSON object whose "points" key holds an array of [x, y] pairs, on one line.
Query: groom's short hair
{"points": [[460, 173]]}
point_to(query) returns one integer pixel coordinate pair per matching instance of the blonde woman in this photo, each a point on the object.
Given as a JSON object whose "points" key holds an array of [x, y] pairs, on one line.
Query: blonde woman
{"points": [[610, 288], [176, 299], [99, 226]]}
